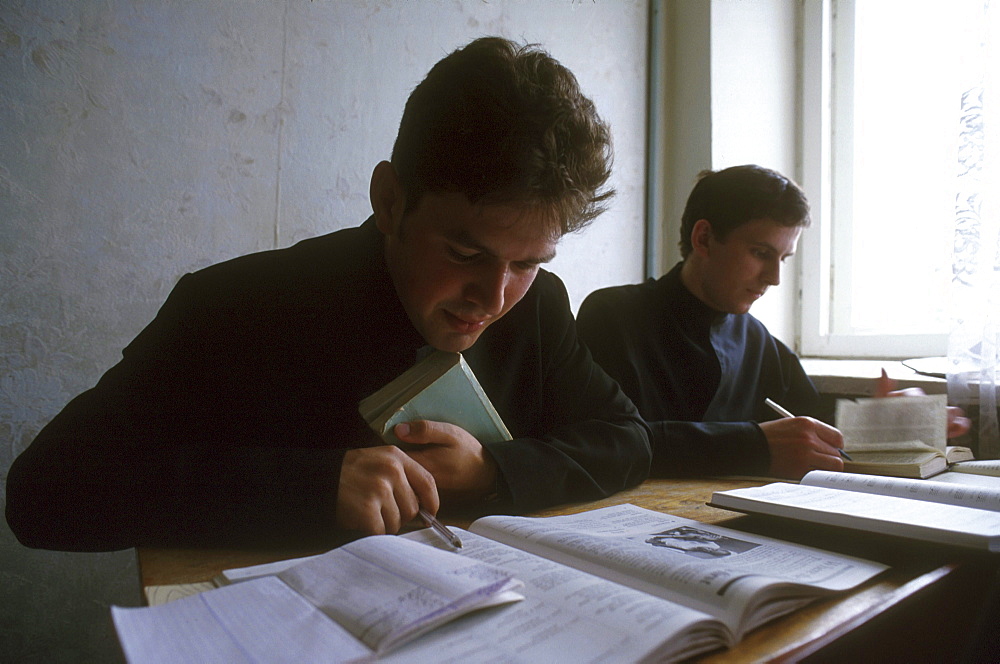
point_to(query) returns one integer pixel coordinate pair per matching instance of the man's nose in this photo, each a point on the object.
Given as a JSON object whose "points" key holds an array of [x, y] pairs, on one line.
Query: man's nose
{"points": [[772, 273], [489, 287]]}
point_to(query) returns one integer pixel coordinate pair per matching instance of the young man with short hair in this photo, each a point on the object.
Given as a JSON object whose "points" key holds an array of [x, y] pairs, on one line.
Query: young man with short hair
{"points": [[232, 419], [697, 365], [695, 362]]}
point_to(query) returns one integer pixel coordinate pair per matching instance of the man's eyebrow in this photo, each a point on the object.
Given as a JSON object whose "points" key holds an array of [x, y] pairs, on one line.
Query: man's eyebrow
{"points": [[772, 248], [547, 258], [463, 238]]}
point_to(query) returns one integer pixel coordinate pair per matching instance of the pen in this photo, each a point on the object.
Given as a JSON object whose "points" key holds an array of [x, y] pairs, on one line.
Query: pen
{"points": [[773, 405], [440, 528]]}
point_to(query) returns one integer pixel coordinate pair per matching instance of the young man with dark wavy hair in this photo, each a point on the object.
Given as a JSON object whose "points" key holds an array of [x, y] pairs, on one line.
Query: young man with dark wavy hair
{"points": [[233, 417]]}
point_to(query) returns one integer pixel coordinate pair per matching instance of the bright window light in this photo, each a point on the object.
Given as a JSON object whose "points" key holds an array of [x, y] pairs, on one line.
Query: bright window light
{"points": [[896, 101]]}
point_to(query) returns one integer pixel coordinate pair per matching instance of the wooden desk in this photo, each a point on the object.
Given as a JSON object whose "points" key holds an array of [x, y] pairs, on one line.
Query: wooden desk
{"points": [[889, 615]]}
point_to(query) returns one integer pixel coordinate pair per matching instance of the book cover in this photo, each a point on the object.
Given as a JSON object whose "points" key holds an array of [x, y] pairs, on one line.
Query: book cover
{"points": [[441, 388]]}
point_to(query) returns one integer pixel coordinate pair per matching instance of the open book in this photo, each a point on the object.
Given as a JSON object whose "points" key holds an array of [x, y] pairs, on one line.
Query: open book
{"points": [[898, 436], [987, 467], [955, 476], [904, 459], [620, 584], [441, 387], [963, 515], [359, 600]]}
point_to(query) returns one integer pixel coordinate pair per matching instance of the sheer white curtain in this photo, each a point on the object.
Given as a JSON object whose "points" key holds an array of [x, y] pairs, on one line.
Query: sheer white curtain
{"points": [[974, 343]]}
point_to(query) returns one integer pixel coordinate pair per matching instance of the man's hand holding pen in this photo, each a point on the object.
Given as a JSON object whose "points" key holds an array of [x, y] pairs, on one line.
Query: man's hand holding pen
{"points": [[383, 487], [800, 444]]}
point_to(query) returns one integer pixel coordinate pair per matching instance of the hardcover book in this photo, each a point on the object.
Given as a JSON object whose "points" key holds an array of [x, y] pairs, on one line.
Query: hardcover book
{"points": [[442, 388]]}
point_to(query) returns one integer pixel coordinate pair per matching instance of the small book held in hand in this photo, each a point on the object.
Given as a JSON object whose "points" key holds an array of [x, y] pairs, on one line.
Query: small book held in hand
{"points": [[441, 388]]}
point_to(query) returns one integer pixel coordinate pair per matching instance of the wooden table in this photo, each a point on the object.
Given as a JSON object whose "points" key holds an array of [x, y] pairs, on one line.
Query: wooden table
{"points": [[923, 605]]}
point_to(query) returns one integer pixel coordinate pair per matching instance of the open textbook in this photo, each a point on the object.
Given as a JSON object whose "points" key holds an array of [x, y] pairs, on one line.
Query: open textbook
{"points": [[364, 598], [955, 476], [938, 489], [900, 436], [959, 514], [620, 584]]}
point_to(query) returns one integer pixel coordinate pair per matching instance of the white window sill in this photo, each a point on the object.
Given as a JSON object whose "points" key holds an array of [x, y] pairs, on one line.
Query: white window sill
{"points": [[857, 377]]}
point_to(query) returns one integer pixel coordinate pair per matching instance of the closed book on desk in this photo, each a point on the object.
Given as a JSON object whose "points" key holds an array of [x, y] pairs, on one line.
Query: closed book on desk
{"points": [[954, 514], [441, 388], [617, 584]]}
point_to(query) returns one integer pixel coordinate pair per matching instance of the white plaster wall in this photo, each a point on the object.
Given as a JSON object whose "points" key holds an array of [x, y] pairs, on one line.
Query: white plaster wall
{"points": [[754, 113], [730, 95], [685, 123], [141, 139]]}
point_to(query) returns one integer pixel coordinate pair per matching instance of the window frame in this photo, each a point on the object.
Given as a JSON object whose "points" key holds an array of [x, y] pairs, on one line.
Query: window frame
{"points": [[825, 82]]}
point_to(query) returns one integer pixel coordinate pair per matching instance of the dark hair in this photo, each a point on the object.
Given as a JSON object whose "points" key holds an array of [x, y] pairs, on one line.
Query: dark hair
{"points": [[734, 196], [505, 124]]}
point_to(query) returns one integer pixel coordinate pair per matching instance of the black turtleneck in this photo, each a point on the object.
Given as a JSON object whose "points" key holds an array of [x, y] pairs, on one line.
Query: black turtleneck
{"points": [[699, 377]]}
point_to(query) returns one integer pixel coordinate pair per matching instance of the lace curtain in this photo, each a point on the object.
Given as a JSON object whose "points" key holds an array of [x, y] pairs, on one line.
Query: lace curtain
{"points": [[974, 343]]}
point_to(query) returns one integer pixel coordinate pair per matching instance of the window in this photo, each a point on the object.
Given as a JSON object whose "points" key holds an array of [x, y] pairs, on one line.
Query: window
{"points": [[882, 94]]}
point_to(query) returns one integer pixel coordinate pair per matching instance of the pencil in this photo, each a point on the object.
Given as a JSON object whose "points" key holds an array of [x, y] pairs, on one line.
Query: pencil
{"points": [[773, 405], [440, 528]]}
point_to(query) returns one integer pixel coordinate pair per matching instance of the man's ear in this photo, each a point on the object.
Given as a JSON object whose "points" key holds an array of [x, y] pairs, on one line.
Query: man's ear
{"points": [[387, 198], [701, 237]]}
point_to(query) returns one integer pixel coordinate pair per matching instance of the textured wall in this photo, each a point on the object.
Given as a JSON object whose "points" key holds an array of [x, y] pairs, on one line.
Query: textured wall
{"points": [[141, 139]]}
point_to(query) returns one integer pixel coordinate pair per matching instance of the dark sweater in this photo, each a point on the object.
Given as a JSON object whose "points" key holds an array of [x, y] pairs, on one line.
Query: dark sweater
{"points": [[698, 377], [227, 420]]}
